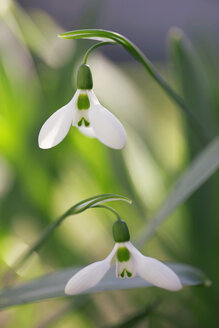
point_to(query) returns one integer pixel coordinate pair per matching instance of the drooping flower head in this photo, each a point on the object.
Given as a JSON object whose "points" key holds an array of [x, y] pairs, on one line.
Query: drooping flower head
{"points": [[86, 113], [129, 263]]}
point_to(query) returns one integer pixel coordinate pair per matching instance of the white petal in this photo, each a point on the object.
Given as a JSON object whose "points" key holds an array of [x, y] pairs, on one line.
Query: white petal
{"points": [[155, 271], [113, 252], [107, 127], [88, 132], [92, 98], [87, 277], [158, 273], [56, 127]]}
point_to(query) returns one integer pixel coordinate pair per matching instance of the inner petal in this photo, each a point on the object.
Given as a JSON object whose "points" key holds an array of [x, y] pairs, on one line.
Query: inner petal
{"points": [[81, 118], [125, 266]]}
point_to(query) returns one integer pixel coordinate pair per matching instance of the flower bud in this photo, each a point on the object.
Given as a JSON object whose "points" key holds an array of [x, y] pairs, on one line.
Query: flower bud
{"points": [[120, 231]]}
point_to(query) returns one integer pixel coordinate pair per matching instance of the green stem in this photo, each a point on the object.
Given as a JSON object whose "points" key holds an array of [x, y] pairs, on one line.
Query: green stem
{"points": [[110, 209], [76, 209], [97, 45], [109, 36]]}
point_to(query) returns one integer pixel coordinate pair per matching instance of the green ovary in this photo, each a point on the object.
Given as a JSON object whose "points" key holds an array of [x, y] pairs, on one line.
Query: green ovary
{"points": [[83, 102], [123, 254]]}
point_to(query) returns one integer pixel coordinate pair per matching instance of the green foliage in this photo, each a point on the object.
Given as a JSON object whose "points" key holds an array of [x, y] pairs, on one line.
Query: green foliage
{"points": [[53, 285], [206, 163]]}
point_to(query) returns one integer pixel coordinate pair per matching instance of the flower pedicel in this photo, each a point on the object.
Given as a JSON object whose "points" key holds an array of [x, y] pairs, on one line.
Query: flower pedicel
{"points": [[86, 113], [129, 263]]}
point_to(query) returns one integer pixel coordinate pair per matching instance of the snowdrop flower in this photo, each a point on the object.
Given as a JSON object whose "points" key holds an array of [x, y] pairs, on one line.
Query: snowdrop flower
{"points": [[129, 263], [86, 113]]}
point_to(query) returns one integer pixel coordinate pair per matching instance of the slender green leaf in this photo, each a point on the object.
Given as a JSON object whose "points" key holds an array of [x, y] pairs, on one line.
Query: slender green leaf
{"points": [[201, 169], [53, 285], [188, 67]]}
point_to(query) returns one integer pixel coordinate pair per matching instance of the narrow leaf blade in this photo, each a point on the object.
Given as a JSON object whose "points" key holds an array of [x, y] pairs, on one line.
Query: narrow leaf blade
{"points": [[188, 66], [201, 169], [93, 34], [52, 285]]}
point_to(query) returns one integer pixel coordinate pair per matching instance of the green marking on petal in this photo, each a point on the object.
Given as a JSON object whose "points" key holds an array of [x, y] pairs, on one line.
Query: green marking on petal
{"points": [[123, 254], [122, 274], [83, 102], [86, 123]]}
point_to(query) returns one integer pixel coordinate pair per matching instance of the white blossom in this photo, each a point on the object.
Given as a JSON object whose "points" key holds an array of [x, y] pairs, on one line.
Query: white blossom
{"points": [[129, 263], [86, 113]]}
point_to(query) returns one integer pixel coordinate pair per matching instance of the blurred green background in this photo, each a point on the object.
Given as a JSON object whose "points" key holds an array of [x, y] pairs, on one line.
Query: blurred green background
{"points": [[37, 76]]}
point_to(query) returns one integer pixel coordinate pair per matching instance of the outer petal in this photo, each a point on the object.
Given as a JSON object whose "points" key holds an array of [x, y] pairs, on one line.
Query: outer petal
{"points": [[155, 271], [107, 127], [87, 277], [92, 97], [56, 127]]}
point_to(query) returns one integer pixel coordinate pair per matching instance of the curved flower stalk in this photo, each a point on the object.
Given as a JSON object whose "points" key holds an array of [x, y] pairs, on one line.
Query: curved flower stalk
{"points": [[129, 263], [86, 113]]}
